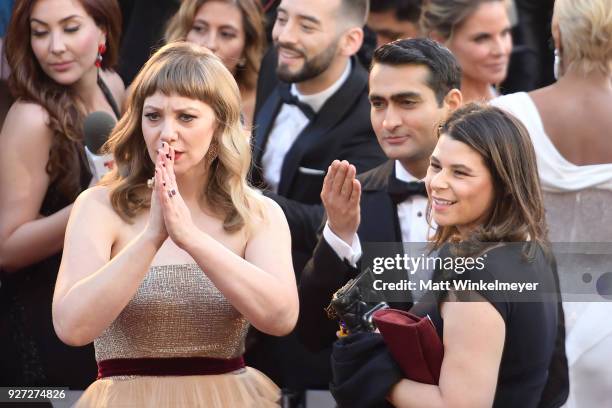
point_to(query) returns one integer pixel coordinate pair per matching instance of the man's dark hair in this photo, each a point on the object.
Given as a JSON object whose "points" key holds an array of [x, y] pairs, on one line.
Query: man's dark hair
{"points": [[444, 70], [356, 11], [405, 10]]}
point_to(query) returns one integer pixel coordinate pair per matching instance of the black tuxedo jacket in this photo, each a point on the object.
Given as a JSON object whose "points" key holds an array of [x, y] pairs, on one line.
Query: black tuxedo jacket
{"points": [[341, 130], [325, 272], [309, 365]]}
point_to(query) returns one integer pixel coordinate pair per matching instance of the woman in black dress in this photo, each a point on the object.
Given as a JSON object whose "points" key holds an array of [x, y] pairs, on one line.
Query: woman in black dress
{"points": [[502, 347], [60, 53]]}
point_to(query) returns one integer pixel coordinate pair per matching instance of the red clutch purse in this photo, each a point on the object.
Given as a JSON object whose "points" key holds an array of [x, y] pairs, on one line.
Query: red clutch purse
{"points": [[413, 342]]}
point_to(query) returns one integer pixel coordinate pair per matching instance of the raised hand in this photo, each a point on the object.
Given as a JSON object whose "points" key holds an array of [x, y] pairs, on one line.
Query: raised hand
{"points": [[340, 194], [156, 228], [176, 214]]}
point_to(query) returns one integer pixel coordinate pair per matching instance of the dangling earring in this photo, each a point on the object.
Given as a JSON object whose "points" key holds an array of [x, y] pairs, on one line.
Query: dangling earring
{"points": [[212, 153], [101, 51], [557, 64], [242, 62]]}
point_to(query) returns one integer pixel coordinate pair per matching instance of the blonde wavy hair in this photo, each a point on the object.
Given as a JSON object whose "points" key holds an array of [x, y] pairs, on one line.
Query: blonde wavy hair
{"points": [[586, 33], [444, 16], [194, 72], [253, 22]]}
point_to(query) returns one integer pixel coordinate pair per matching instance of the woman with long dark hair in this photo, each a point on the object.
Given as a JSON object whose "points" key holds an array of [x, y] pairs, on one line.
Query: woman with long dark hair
{"points": [[503, 345], [61, 55]]}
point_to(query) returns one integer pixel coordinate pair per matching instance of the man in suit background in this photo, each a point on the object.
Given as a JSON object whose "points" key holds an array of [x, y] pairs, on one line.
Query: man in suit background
{"points": [[414, 85], [388, 20], [318, 112]]}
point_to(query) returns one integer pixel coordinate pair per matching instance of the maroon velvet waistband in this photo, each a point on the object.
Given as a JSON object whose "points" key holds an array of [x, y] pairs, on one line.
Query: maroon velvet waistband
{"points": [[168, 366]]}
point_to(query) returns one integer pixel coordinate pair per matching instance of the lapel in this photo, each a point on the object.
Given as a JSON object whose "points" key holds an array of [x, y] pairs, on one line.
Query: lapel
{"points": [[264, 121], [379, 222], [333, 111], [589, 329]]}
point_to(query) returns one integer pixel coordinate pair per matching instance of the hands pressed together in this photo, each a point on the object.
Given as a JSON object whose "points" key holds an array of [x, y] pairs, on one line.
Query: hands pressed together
{"points": [[341, 194], [169, 215]]}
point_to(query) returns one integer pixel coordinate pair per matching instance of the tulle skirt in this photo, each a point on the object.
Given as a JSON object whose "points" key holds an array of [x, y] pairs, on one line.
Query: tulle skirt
{"points": [[242, 388]]}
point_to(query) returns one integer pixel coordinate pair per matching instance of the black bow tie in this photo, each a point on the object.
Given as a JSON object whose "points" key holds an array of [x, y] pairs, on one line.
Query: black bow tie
{"points": [[289, 98], [400, 190]]}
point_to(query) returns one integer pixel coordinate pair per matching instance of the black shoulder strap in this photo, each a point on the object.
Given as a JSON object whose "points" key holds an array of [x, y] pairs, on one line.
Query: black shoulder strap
{"points": [[109, 97]]}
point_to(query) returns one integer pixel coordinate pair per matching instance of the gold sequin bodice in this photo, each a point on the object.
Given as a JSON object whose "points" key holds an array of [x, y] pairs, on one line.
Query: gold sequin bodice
{"points": [[176, 312]]}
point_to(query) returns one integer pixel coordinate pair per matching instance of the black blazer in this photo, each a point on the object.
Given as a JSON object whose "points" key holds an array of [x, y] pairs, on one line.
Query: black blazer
{"points": [[341, 130], [310, 345], [325, 272]]}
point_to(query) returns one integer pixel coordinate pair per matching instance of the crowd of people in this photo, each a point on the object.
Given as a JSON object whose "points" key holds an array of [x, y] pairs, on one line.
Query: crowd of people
{"points": [[258, 149]]}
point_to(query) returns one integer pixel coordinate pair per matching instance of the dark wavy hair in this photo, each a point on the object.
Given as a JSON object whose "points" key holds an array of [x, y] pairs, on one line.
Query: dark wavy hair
{"points": [[28, 82], [503, 142]]}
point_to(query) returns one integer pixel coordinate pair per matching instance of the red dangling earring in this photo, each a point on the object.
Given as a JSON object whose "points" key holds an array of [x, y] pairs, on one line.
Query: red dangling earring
{"points": [[101, 51]]}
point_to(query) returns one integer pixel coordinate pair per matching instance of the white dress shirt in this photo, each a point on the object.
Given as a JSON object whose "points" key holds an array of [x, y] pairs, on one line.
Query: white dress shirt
{"points": [[288, 124]]}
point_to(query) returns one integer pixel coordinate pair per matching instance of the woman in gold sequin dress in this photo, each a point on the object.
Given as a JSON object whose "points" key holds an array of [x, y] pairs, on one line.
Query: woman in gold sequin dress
{"points": [[166, 282]]}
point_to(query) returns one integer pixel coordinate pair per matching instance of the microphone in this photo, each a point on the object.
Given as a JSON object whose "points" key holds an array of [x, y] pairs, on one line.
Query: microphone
{"points": [[97, 128]]}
